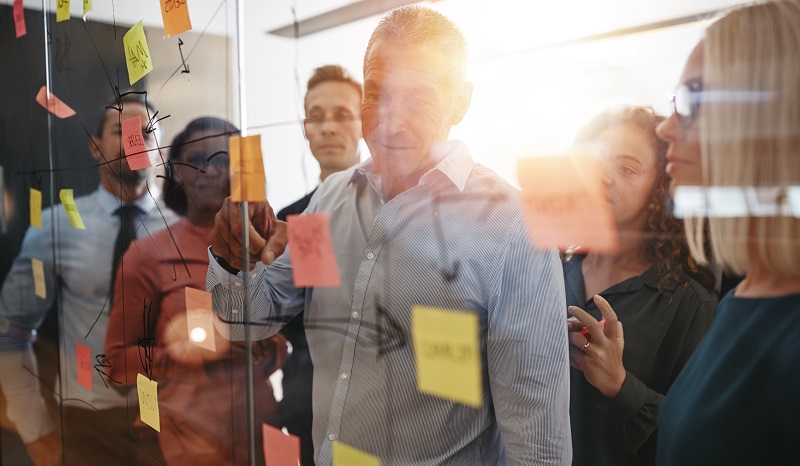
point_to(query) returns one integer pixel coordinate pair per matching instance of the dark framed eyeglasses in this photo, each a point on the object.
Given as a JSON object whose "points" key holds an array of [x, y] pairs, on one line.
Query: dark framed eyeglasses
{"points": [[335, 118], [686, 101]]}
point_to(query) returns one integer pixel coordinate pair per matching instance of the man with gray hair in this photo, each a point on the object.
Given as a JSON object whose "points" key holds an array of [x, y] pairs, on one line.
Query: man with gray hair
{"points": [[419, 223]]}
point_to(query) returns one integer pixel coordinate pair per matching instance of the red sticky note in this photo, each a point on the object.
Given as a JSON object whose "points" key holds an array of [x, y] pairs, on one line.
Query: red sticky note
{"points": [[280, 449], [133, 143], [53, 105], [84, 356], [565, 204], [19, 18], [311, 249]]}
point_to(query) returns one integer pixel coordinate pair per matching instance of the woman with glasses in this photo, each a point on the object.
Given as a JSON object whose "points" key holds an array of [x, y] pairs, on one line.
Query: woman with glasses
{"points": [[200, 374], [736, 400], [660, 295]]}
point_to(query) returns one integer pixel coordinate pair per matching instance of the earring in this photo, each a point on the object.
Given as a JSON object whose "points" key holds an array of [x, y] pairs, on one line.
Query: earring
{"points": [[652, 206]]}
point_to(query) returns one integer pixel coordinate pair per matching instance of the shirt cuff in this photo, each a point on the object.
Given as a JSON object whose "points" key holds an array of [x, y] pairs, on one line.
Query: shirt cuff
{"points": [[222, 263], [629, 400]]}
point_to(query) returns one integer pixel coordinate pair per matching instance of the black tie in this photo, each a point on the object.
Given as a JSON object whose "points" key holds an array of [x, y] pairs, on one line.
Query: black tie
{"points": [[128, 215]]}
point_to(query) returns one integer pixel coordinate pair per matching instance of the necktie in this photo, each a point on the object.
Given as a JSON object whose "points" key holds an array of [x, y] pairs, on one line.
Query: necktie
{"points": [[128, 215]]}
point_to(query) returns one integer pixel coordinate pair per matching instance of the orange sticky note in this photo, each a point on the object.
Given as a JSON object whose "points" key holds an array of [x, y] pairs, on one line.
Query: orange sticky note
{"points": [[248, 182], [137, 54], [53, 105], [68, 201], [280, 449], [84, 357], [175, 14], [19, 18], [345, 455], [311, 248], [62, 10], [36, 208], [87, 6], [148, 401], [38, 278], [133, 144], [200, 319], [565, 205], [447, 354]]}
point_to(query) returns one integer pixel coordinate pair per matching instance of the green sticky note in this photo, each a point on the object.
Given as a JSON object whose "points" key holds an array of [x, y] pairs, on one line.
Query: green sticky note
{"points": [[62, 10], [345, 455], [447, 354], [137, 55]]}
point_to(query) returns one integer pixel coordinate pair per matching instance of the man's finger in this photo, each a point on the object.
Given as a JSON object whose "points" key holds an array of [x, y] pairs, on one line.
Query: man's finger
{"points": [[276, 243]]}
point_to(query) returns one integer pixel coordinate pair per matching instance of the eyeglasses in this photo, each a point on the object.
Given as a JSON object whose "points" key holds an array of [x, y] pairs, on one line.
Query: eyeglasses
{"points": [[335, 118], [686, 101], [202, 162]]}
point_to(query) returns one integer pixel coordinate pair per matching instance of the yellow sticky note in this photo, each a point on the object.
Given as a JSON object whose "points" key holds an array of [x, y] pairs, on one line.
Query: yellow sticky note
{"points": [[137, 55], [87, 6], [248, 182], [148, 401], [345, 455], [38, 278], [62, 10], [175, 14], [446, 350], [36, 208], [72, 210]]}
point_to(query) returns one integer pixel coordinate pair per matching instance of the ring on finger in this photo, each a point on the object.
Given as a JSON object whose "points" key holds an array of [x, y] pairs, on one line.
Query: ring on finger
{"points": [[583, 348]]}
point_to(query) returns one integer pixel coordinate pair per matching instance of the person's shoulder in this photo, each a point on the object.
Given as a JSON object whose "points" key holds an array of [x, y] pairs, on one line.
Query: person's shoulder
{"points": [[696, 295], [295, 207]]}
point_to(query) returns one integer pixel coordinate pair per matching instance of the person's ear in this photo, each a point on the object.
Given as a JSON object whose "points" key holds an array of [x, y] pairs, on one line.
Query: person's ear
{"points": [[94, 148], [463, 99]]}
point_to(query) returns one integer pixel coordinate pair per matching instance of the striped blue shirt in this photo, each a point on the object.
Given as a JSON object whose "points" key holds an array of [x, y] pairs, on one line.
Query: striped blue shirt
{"points": [[456, 240]]}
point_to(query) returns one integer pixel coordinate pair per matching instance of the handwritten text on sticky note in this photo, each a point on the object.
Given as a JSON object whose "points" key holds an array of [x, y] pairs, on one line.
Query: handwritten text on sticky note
{"points": [[200, 319], [53, 104], [36, 208], [19, 18], [148, 401], [62, 10], [175, 14], [564, 203], [345, 455], [39, 287], [137, 54], [446, 350], [84, 359], [280, 449], [68, 202], [248, 182], [133, 144], [311, 249]]}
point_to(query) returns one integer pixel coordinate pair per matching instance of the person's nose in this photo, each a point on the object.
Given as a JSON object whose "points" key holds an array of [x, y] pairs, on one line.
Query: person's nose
{"points": [[328, 126], [606, 175], [668, 129], [393, 119]]}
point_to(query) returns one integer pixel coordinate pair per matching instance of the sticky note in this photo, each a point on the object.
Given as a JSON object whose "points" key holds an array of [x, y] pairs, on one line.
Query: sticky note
{"points": [[62, 10], [345, 455], [133, 144], [446, 351], [53, 105], [175, 14], [137, 55], [148, 401], [36, 208], [564, 203], [311, 249], [19, 18], [87, 6], [199, 318], [67, 200], [280, 449], [248, 182], [38, 278], [84, 357]]}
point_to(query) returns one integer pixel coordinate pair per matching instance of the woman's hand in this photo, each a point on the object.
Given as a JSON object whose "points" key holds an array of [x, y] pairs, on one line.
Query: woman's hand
{"points": [[601, 359]]}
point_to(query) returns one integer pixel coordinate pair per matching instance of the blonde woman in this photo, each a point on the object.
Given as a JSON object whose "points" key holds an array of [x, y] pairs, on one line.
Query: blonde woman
{"points": [[737, 124]]}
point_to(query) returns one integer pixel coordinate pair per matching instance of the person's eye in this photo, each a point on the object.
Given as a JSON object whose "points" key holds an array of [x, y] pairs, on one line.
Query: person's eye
{"points": [[628, 170]]}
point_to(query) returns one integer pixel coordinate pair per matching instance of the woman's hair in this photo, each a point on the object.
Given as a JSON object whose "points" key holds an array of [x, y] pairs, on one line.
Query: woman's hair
{"points": [[750, 136], [664, 242], [174, 194]]}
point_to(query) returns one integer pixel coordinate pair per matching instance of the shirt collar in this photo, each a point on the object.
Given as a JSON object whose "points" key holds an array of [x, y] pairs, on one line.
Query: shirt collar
{"points": [[110, 203]]}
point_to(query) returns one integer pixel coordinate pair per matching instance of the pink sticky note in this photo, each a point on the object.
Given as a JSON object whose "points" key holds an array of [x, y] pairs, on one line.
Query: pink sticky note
{"points": [[280, 449], [19, 18], [84, 356], [311, 248], [133, 143], [53, 105], [565, 205]]}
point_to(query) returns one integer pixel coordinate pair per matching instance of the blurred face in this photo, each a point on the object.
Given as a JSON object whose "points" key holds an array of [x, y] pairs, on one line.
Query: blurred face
{"points": [[202, 169], [332, 124], [628, 172], [684, 163], [108, 147], [408, 108]]}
